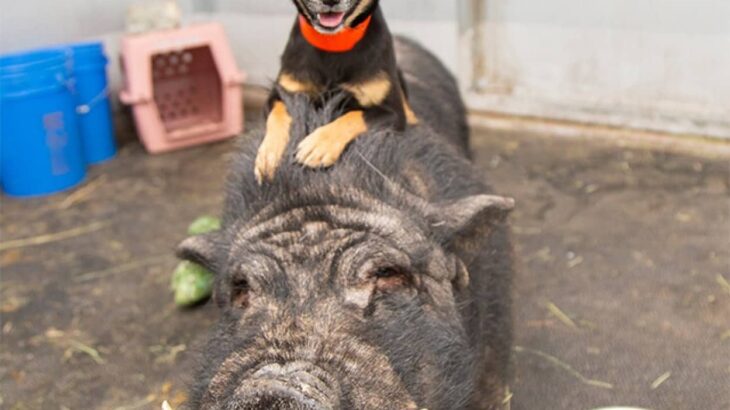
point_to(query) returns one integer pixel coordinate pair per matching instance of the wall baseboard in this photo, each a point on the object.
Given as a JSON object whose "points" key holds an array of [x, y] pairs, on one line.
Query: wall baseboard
{"points": [[685, 144]]}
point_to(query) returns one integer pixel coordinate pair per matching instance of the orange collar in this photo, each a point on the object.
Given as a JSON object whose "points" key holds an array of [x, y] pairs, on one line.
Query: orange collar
{"points": [[341, 42]]}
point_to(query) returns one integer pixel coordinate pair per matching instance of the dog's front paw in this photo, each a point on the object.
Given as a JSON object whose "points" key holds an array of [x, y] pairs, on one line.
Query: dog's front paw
{"points": [[321, 149], [274, 144], [267, 160]]}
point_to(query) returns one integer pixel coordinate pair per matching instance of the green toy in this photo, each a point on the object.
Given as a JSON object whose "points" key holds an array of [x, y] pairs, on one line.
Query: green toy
{"points": [[191, 282], [203, 225]]}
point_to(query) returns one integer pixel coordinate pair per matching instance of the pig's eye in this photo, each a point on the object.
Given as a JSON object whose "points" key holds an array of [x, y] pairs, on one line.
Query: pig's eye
{"points": [[240, 293], [391, 278]]}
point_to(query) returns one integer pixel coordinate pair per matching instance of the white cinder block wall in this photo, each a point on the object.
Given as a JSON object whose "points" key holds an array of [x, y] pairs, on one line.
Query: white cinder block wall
{"points": [[35, 23], [258, 29], [650, 64], [653, 64], [29, 24]]}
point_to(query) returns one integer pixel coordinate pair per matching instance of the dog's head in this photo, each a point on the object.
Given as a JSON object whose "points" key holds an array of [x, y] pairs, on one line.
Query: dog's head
{"points": [[332, 16]]}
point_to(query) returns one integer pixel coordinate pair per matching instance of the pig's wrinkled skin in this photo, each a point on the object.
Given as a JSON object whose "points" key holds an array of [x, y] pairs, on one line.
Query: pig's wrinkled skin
{"points": [[382, 283]]}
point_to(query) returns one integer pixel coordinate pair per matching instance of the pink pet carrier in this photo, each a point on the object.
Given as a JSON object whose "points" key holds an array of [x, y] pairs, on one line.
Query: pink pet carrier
{"points": [[184, 86]]}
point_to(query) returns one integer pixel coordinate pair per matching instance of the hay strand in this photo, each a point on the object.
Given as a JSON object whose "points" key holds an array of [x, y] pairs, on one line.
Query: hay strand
{"points": [[562, 365], [85, 277], [52, 237], [88, 350], [558, 313], [81, 194], [508, 395], [660, 380]]}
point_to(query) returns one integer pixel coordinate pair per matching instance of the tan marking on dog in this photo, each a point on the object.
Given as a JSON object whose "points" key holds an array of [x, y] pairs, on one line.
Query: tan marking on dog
{"points": [[292, 85], [371, 92], [364, 4], [323, 147], [411, 117], [274, 144]]}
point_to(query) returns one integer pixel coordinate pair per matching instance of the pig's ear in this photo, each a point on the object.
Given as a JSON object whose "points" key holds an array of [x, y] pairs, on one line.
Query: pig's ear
{"points": [[461, 223], [200, 249]]}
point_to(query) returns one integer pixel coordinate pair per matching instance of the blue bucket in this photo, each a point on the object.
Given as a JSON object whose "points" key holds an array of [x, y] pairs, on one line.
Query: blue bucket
{"points": [[40, 146], [92, 102]]}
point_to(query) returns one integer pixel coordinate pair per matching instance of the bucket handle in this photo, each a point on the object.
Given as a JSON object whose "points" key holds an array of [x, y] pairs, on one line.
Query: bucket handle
{"points": [[128, 98], [84, 109]]}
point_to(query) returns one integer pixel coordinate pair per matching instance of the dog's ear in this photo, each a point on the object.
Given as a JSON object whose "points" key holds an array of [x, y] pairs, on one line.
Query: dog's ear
{"points": [[202, 250], [461, 224]]}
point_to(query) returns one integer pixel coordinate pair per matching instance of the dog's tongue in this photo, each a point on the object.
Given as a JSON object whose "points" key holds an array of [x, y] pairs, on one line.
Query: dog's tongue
{"points": [[331, 20]]}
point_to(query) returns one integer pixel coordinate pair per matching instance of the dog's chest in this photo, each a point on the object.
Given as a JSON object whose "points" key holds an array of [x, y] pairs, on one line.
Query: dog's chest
{"points": [[370, 92]]}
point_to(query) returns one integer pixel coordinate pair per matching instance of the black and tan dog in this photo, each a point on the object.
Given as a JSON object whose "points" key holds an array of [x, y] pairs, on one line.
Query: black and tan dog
{"points": [[335, 45]]}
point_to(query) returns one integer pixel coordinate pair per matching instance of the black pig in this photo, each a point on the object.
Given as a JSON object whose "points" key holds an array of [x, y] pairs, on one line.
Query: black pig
{"points": [[383, 283]]}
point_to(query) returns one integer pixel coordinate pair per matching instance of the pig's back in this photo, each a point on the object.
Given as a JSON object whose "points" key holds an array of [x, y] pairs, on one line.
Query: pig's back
{"points": [[433, 93]]}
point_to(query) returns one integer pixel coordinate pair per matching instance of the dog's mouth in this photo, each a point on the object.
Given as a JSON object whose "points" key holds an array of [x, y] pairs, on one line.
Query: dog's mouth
{"points": [[331, 21]]}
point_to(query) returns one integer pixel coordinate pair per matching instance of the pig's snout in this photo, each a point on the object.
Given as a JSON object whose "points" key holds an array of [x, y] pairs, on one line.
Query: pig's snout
{"points": [[292, 386]]}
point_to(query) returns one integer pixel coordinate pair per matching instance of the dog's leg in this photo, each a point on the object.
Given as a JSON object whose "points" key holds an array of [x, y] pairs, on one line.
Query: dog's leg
{"points": [[278, 124], [323, 147], [274, 144]]}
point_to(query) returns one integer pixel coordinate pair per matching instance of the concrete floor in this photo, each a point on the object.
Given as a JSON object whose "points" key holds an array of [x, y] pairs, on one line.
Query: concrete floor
{"points": [[621, 295]]}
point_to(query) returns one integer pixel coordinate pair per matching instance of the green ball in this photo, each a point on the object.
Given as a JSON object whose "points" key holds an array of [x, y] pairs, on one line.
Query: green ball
{"points": [[191, 283], [203, 225]]}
